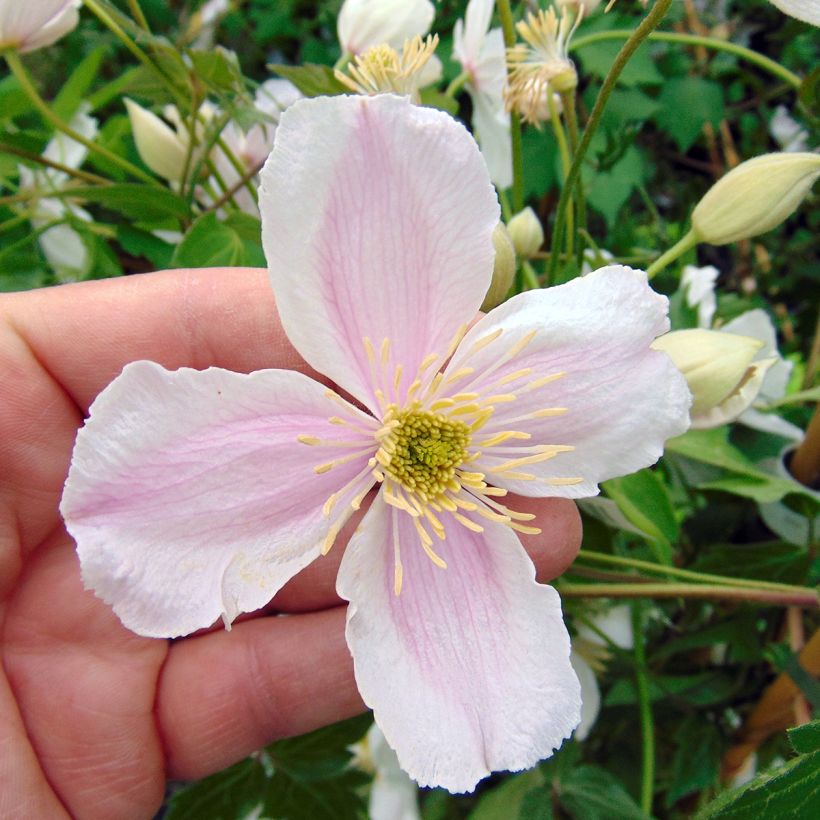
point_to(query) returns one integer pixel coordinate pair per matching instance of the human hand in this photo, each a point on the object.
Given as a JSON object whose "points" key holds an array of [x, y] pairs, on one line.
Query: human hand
{"points": [[94, 718]]}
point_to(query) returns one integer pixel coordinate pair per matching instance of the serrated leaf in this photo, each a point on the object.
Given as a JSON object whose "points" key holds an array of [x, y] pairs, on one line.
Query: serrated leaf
{"points": [[687, 103], [806, 739], [311, 79], [592, 793]]}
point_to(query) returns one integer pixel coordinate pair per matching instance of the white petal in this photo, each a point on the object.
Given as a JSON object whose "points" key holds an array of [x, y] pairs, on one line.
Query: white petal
{"points": [[615, 622], [699, 286], [365, 23], [617, 402], [492, 129], [393, 795], [590, 694], [377, 221], [806, 10], [190, 497], [467, 670]]}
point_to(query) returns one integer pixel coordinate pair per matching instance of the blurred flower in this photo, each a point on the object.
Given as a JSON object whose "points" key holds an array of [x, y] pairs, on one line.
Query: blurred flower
{"points": [[62, 246], [806, 10], [543, 65], [754, 197], [503, 269], [526, 233], [481, 54], [366, 23], [594, 258], [162, 148], [198, 494], [205, 20], [30, 24], [698, 286], [382, 70], [721, 370], [787, 131], [584, 6]]}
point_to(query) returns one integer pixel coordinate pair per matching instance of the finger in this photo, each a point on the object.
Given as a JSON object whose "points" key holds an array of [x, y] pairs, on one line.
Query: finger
{"points": [[552, 551], [84, 334], [226, 694]]}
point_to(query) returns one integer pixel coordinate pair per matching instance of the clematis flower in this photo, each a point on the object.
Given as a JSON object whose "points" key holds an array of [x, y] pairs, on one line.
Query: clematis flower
{"points": [[198, 494], [806, 10], [482, 56], [366, 23], [37, 23], [698, 285]]}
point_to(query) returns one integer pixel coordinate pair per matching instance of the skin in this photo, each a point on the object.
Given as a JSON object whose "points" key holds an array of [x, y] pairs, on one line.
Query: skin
{"points": [[93, 718]]}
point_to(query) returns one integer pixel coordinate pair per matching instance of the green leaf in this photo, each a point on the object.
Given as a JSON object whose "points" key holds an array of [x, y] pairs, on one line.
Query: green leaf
{"points": [[696, 761], [641, 69], [790, 791], [785, 660], [141, 203], [608, 190], [536, 805], [433, 98], [13, 100], [643, 498], [209, 243], [507, 798], [765, 561], [311, 79], [701, 689], [687, 103], [592, 793], [218, 69], [74, 90], [142, 243]]}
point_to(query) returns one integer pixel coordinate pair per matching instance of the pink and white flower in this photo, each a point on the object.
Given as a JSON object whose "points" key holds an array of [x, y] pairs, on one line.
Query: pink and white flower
{"points": [[198, 494], [37, 23]]}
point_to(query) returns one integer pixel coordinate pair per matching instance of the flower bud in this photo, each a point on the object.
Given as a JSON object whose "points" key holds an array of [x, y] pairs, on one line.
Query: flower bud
{"points": [[526, 233], [366, 23], [719, 370], [576, 5], [37, 25], [161, 148], [754, 197], [503, 270]]}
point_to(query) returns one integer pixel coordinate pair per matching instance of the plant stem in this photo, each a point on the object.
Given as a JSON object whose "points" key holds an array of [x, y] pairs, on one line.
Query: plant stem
{"points": [[636, 38], [645, 709], [508, 27], [457, 84], [684, 244], [703, 577], [529, 276], [805, 463], [571, 118], [693, 39], [563, 150], [134, 5], [40, 104], [807, 598], [57, 166]]}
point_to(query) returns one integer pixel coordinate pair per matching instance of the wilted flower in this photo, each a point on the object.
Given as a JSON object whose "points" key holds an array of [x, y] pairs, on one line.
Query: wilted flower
{"points": [[754, 197], [698, 286], [61, 244], [503, 268], [482, 56], [29, 24], [199, 494], [381, 69], [543, 65], [527, 233], [366, 23], [720, 369], [806, 10]]}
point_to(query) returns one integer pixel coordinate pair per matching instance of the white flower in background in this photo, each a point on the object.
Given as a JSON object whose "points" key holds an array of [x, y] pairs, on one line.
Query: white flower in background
{"points": [[205, 21], [806, 10], [787, 131], [30, 24], [757, 324], [594, 258], [590, 654], [162, 148], [366, 23], [482, 56], [698, 286], [543, 64], [62, 246], [383, 70]]}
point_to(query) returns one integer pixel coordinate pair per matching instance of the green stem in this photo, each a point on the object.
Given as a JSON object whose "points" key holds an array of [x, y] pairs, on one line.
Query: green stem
{"points": [[5, 148], [571, 118], [240, 169], [40, 104], [457, 84], [684, 244], [636, 38], [807, 598], [691, 575], [693, 39], [138, 15], [566, 162], [342, 62], [508, 27], [645, 709], [529, 276]]}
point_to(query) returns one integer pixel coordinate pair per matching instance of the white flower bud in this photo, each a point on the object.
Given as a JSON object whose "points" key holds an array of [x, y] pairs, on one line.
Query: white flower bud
{"points": [[161, 148], [526, 233], [719, 369], [754, 197], [503, 270], [35, 24], [366, 23]]}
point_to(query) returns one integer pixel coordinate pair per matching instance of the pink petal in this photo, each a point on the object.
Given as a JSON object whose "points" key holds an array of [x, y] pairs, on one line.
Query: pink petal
{"points": [[616, 404], [190, 497], [467, 670], [377, 217]]}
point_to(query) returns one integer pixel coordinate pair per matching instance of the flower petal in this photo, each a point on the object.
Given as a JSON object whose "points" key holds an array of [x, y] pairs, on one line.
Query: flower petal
{"points": [[377, 220], [467, 670], [590, 694], [190, 497], [616, 403], [806, 10], [365, 23]]}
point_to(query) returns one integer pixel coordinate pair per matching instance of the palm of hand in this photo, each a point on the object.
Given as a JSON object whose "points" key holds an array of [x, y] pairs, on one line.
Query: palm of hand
{"points": [[93, 718]]}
